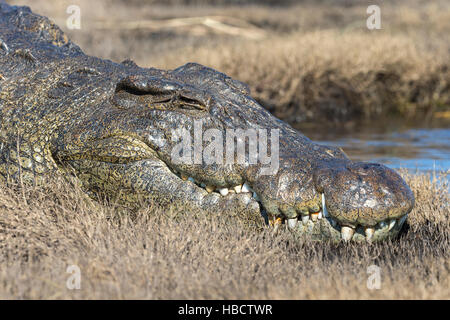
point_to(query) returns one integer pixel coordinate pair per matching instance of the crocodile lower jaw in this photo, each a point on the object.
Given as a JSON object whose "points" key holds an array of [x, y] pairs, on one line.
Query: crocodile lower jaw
{"points": [[223, 191], [310, 223], [337, 231]]}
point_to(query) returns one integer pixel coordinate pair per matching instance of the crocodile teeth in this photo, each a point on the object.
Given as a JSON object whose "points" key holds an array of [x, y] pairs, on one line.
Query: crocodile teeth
{"points": [[382, 224], [391, 224], [246, 188], [305, 219], [319, 215], [191, 179], [210, 188], [347, 233], [238, 188], [324, 207], [223, 191], [369, 233], [402, 219], [255, 196], [292, 223], [314, 216]]}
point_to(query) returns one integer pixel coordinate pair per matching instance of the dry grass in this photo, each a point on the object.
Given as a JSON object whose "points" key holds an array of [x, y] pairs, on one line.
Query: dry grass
{"points": [[156, 255], [317, 61]]}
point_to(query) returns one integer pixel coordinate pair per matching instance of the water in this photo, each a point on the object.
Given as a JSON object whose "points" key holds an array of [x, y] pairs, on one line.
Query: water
{"points": [[415, 149]]}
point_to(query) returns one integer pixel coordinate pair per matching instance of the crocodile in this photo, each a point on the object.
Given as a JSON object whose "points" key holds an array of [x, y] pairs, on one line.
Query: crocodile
{"points": [[127, 132]]}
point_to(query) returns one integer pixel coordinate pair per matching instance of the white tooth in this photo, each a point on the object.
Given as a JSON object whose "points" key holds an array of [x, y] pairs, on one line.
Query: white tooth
{"points": [[391, 224], [238, 188], [347, 233], [402, 220], [320, 215], [255, 196], [369, 233], [324, 207], [382, 224], [246, 188], [191, 179], [292, 223], [223, 191], [210, 188], [314, 216], [305, 219]]}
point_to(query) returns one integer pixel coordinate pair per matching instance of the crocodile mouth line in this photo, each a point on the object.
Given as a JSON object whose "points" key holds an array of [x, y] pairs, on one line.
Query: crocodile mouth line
{"points": [[223, 191], [306, 221]]}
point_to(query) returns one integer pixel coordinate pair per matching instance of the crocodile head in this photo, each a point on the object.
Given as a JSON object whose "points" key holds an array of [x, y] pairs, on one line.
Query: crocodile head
{"points": [[190, 136], [194, 136]]}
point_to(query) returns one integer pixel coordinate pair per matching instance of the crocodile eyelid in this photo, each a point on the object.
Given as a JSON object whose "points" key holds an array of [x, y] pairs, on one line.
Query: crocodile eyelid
{"points": [[189, 102]]}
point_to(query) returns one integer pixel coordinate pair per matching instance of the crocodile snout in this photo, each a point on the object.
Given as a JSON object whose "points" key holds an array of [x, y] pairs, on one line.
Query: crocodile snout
{"points": [[363, 195]]}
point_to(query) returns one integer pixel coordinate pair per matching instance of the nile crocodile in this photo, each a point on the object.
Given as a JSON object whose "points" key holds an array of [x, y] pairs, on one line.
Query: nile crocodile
{"points": [[115, 126]]}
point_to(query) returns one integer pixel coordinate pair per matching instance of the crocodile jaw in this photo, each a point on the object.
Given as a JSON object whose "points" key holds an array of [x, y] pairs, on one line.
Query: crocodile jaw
{"points": [[322, 226], [319, 226]]}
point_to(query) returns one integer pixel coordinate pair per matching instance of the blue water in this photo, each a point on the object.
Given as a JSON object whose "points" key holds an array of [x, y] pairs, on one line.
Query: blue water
{"points": [[417, 149]]}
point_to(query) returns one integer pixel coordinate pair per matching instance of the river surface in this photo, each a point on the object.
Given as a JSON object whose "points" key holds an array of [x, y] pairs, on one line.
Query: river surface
{"points": [[413, 148]]}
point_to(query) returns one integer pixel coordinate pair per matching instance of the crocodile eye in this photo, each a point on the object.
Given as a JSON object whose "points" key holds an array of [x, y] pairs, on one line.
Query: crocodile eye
{"points": [[190, 104], [158, 93]]}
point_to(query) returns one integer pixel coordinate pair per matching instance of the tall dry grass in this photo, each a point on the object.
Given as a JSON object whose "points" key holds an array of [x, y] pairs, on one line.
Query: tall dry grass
{"points": [[158, 255], [333, 76]]}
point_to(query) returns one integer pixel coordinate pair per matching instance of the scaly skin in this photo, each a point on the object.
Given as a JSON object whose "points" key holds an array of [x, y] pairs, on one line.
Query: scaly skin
{"points": [[114, 126]]}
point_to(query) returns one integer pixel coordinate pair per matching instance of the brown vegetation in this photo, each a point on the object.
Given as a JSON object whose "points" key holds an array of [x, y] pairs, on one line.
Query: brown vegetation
{"points": [[160, 255], [316, 76]]}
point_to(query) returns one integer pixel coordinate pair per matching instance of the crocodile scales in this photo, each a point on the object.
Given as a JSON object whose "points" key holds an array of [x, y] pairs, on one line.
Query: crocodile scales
{"points": [[114, 126]]}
